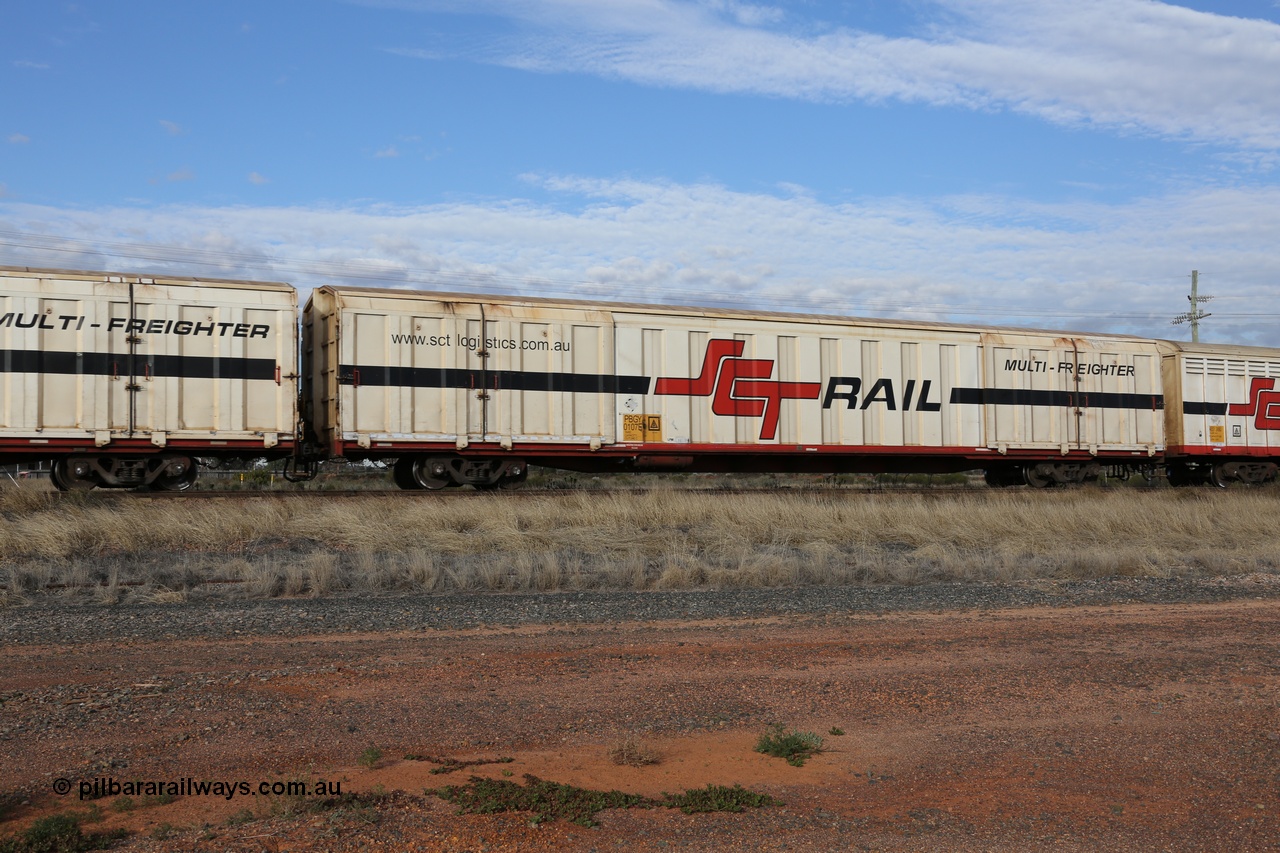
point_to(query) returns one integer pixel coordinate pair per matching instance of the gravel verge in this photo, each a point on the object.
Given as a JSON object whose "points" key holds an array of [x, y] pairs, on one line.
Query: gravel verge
{"points": [[67, 621]]}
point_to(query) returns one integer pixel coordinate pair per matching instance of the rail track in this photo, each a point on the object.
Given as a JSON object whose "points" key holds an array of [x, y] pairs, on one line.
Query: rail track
{"points": [[465, 493]]}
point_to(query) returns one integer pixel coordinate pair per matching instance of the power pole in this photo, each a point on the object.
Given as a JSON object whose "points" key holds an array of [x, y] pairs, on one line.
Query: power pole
{"points": [[1195, 315]]}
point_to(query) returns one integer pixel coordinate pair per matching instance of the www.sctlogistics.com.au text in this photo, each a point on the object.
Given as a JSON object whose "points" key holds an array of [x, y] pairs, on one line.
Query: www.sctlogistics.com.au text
{"points": [[98, 787]]}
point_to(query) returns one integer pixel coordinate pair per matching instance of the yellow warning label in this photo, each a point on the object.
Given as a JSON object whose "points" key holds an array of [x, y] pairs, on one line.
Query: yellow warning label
{"points": [[1217, 434], [642, 427]]}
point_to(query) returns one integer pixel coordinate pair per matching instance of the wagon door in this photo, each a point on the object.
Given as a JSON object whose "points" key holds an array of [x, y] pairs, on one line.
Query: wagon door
{"points": [[145, 388], [482, 359], [138, 390], [538, 374], [1028, 393], [1116, 401], [122, 340]]}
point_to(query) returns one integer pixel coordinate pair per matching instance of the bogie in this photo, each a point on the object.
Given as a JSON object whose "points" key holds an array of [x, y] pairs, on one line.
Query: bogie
{"points": [[442, 472], [168, 472], [1221, 474]]}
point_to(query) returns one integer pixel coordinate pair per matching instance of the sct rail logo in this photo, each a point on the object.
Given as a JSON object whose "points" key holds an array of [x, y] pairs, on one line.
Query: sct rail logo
{"points": [[740, 387], [1263, 405]]}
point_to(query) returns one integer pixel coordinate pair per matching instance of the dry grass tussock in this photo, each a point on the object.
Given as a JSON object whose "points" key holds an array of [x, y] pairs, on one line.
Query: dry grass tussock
{"points": [[114, 549], [634, 752]]}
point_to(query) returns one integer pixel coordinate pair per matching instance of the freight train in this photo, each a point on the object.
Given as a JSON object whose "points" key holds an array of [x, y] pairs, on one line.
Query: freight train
{"points": [[137, 381]]}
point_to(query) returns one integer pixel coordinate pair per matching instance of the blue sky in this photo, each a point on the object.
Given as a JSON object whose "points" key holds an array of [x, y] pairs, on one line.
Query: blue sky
{"points": [[1019, 162]]}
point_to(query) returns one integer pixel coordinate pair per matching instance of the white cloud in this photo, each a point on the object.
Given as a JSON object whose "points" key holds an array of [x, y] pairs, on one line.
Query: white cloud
{"points": [[747, 14], [1132, 65], [34, 66], [976, 259], [180, 175], [258, 179], [19, 138], [389, 151], [172, 128]]}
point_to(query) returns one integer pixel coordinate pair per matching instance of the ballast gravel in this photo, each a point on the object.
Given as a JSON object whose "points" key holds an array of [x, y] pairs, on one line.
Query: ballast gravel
{"points": [[55, 618]]}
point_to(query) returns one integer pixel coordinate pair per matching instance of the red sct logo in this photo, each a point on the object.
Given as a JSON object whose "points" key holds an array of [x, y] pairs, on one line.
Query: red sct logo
{"points": [[1263, 405], [740, 387]]}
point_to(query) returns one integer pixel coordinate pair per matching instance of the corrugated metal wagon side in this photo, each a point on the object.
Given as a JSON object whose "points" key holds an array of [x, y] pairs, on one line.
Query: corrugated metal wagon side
{"points": [[458, 389], [473, 389], [734, 391], [1077, 403], [124, 380], [1224, 413]]}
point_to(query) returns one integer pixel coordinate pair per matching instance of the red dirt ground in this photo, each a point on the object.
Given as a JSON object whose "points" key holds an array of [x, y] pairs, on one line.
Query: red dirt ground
{"points": [[1131, 727]]}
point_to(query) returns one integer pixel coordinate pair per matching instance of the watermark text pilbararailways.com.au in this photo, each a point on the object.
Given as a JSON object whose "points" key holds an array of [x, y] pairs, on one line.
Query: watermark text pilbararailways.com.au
{"points": [[108, 786]]}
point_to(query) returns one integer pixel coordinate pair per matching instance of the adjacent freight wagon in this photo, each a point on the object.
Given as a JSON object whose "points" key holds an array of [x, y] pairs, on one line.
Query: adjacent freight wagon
{"points": [[128, 381], [1224, 413], [123, 381]]}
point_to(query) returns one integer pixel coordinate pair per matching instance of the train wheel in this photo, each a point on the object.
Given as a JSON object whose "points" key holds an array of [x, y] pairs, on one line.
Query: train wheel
{"points": [[431, 473], [1217, 477], [56, 479], [72, 475], [515, 477], [507, 482], [179, 475], [402, 473], [1036, 478]]}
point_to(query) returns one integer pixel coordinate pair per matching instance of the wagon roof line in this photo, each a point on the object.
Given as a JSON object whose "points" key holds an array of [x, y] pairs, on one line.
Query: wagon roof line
{"points": [[738, 313], [148, 278], [695, 310]]}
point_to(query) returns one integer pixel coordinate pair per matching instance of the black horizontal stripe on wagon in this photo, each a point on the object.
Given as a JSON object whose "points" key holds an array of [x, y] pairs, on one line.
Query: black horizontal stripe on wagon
{"points": [[1204, 408], [1056, 399], [386, 376], [491, 380], [154, 365]]}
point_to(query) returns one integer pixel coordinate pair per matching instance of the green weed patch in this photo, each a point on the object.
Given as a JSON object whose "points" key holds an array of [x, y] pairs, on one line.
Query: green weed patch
{"points": [[58, 833], [555, 801], [717, 798], [796, 747]]}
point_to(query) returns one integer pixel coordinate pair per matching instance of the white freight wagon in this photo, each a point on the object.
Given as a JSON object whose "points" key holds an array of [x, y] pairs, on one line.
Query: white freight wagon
{"points": [[472, 389], [882, 396], [1224, 413], [124, 380]]}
